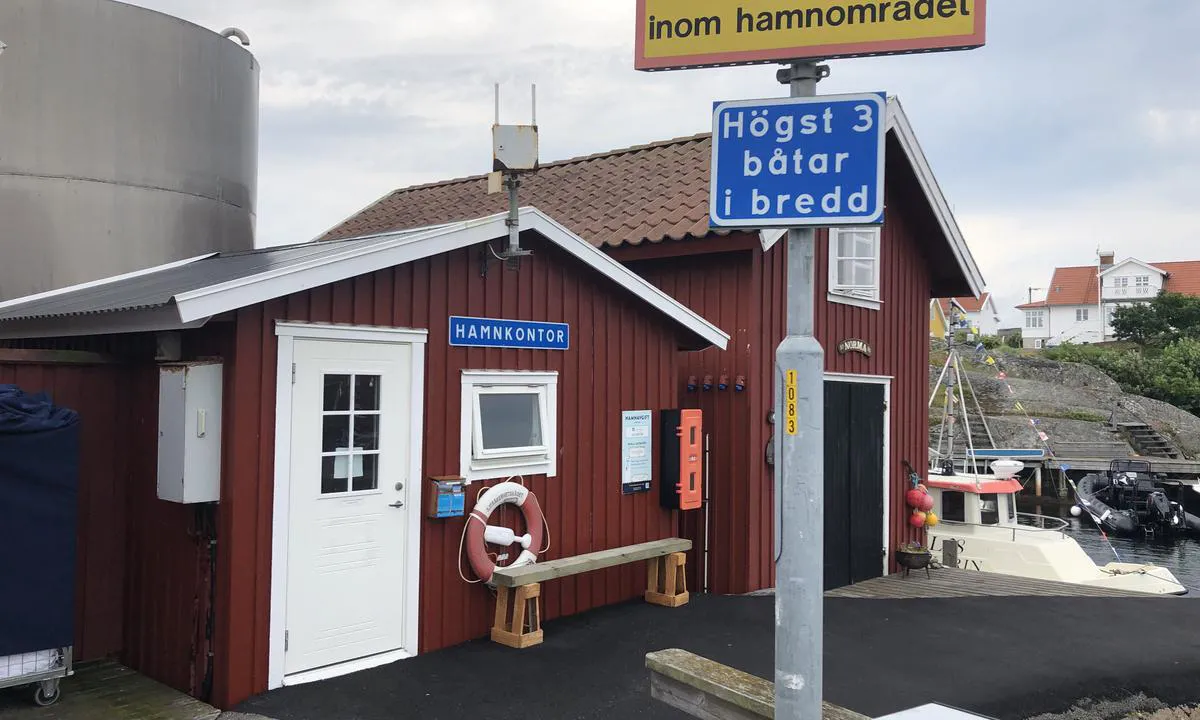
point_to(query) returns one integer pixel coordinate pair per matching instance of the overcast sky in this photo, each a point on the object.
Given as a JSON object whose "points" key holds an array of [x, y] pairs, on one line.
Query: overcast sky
{"points": [[1076, 127]]}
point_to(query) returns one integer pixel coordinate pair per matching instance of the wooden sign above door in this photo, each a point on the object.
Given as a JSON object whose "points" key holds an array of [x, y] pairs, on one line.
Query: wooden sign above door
{"points": [[858, 346]]}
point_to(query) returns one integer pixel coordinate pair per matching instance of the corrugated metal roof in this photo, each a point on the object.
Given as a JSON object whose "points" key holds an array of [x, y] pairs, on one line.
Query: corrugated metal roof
{"points": [[157, 287]]}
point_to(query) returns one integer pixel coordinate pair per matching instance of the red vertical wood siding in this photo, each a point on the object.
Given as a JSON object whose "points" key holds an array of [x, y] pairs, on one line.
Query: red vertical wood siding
{"points": [[167, 574], [743, 291], [622, 357], [96, 392], [898, 334], [717, 287]]}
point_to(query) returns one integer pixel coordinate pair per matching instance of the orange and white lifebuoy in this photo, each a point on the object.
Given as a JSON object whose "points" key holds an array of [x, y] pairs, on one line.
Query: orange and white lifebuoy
{"points": [[479, 533]]}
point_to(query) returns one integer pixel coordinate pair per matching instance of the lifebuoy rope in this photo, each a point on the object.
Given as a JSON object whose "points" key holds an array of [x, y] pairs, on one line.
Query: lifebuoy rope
{"points": [[471, 516]]}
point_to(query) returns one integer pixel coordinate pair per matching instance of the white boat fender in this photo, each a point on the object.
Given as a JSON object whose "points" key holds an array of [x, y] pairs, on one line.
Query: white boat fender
{"points": [[478, 533]]}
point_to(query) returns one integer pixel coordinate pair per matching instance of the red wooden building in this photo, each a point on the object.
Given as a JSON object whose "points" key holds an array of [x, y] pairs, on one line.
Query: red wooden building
{"points": [[342, 389], [647, 206]]}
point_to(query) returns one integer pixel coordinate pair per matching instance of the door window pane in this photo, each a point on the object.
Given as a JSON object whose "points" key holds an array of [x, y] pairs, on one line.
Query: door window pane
{"points": [[366, 392], [369, 479], [366, 432], [335, 433], [330, 482], [337, 392], [510, 420]]}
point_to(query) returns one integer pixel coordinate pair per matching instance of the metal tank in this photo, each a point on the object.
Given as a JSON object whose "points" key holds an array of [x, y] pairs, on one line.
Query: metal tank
{"points": [[128, 139]]}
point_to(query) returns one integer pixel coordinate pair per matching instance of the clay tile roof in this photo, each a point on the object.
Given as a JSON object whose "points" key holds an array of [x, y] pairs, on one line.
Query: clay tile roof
{"points": [[1182, 277], [1070, 286], [608, 198], [969, 304]]}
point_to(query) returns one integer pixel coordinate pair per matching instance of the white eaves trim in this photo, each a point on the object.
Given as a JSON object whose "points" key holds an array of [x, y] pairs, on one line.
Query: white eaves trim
{"points": [[1134, 261], [898, 123], [409, 246]]}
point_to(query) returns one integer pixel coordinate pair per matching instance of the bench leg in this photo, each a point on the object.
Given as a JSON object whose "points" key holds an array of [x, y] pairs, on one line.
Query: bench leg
{"points": [[524, 628], [666, 581]]}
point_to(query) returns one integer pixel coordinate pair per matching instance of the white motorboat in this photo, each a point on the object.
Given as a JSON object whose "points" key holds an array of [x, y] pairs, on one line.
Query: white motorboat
{"points": [[978, 513]]}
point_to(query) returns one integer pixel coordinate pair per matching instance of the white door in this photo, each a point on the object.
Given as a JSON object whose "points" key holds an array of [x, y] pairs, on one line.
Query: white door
{"points": [[350, 508]]}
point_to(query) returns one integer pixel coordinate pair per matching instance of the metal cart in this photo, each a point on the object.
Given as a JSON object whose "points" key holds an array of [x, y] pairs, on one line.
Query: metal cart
{"points": [[41, 671]]}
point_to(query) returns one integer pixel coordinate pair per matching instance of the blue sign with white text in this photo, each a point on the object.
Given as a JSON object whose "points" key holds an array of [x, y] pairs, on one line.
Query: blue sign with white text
{"points": [[487, 332], [798, 161]]}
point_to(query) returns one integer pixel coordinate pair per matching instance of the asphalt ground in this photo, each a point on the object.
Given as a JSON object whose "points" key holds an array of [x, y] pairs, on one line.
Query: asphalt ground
{"points": [[1009, 658]]}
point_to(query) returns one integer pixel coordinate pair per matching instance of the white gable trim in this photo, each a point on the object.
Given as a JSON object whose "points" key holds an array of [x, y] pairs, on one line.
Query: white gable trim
{"points": [[898, 123], [1134, 261]]}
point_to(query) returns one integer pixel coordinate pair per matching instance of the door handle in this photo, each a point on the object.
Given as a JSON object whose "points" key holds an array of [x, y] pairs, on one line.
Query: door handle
{"points": [[397, 504]]}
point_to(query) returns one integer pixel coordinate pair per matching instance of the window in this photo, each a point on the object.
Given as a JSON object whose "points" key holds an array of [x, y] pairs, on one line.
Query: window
{"points": [[989, 509], [1081, 314], [508, 424], [1120, 282], [1142, 281], [350, 434], [854, 266], [1035, 318], [953, 506]]}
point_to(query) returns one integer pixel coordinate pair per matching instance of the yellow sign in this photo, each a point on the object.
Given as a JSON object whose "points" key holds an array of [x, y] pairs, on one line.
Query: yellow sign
{"points": [[791, 408], [674, 34]]}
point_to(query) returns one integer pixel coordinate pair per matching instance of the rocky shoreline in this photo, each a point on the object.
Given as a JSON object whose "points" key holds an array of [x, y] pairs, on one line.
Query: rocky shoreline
{"points": [[1138, 707]]}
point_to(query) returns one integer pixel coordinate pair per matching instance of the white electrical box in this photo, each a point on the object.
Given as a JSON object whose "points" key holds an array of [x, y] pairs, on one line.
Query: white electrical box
{"points": [[189, 432], [514, 148]]}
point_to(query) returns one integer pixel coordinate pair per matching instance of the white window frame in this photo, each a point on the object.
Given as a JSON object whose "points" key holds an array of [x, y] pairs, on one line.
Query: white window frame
{"points": [[477, 463], [857, 295], [1122, 281], [1035, 319], [1082, 315], [1142, 281]]}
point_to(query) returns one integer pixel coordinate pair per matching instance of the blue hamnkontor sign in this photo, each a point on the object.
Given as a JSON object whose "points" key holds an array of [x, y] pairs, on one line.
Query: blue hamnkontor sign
{"points": [[521, 334]]}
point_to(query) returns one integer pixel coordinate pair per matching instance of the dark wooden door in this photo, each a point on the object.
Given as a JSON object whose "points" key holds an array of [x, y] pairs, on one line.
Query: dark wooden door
{"points": [[854, 466]]}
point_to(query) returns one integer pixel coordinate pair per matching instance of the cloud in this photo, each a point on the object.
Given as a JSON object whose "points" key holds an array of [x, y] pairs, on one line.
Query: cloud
{"points": [[1075, 126]]}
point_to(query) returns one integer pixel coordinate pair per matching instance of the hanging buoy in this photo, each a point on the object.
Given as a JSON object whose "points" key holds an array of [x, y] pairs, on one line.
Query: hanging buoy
{"points": [[479, 533], [1076, 511]]}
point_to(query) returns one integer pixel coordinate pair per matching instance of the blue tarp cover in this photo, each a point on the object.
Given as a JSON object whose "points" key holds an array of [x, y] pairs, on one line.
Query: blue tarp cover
{"points": [[39, 480]]}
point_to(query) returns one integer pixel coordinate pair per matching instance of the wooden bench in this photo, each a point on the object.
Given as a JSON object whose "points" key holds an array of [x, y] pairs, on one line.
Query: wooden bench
{"points": [[518, 590], [707, 689]]}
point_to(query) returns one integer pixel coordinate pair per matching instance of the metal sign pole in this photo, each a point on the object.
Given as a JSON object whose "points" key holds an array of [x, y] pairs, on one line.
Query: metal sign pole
{"points": [[799, 470]]}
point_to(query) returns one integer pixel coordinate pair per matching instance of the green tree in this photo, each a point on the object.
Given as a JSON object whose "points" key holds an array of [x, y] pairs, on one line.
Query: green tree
{"points": [[1164, 320]]}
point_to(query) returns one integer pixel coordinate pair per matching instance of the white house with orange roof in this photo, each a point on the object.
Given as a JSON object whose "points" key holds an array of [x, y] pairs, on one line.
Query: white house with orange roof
{"points": [[1080, 300]]}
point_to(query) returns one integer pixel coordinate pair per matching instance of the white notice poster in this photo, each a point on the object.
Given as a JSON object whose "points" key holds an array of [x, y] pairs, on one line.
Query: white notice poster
{"points": [[636, 456]]}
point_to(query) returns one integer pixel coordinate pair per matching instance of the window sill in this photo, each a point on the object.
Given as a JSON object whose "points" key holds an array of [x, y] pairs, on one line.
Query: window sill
{"points": [[482, 470], [842, 299]]}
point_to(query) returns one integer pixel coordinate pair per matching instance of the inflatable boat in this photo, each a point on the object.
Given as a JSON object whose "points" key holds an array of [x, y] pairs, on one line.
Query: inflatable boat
{"points": [[1126, 501]]}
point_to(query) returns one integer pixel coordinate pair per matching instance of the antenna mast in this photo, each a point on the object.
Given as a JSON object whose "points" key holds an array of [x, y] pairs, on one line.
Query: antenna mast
{"points": [[514, 152]]}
